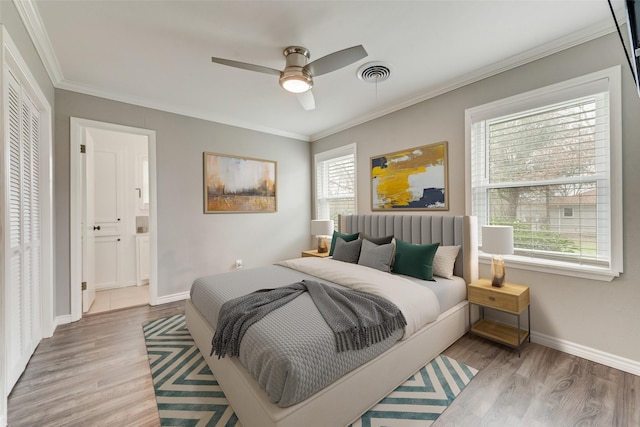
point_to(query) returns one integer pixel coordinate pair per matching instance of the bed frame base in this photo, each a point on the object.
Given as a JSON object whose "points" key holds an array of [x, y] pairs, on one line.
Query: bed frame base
{"points": [[342, 402]]}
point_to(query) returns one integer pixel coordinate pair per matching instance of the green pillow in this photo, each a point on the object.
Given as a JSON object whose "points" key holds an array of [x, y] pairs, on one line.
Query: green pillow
{"points": [[345, 237], [415, 260]]}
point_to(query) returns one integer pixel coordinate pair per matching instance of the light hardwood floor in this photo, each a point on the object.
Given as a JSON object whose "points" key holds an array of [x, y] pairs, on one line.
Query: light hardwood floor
{"points": [[117, 298], [95, 372], [544, 387]]}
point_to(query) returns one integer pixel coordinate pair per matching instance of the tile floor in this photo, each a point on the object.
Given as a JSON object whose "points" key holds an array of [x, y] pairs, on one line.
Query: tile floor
{"points": [[113, 299]]}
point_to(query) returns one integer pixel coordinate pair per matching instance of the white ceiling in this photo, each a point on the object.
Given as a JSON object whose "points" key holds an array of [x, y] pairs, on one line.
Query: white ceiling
{"points": [[158, 53]]}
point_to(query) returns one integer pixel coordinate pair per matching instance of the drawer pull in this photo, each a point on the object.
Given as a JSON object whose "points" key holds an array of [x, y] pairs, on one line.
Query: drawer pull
{"points": [[492, 298]]}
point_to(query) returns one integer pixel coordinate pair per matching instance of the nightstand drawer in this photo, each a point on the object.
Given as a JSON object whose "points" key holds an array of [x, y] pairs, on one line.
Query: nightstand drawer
{"points": [[511, 297]]}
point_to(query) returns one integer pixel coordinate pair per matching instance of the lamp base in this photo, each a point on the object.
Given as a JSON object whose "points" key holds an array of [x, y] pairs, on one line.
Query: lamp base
{"points": [[497, 271], [322, 245]]}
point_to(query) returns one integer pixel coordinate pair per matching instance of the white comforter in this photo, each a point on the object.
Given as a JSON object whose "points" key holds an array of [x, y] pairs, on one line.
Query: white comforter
{"points": [[418, 303]]}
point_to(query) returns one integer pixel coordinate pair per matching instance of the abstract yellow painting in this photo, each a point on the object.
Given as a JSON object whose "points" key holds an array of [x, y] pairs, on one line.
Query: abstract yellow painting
{"points": [[238, 184], [413, 179]]}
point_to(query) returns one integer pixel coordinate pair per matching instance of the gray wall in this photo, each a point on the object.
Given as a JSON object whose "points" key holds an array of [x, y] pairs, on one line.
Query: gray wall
{"points": [[594, 314], [190, 243]]}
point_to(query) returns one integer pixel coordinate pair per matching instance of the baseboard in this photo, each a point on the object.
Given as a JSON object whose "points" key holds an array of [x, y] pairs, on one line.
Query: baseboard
{"points": [[608, 359], [61, 320], [170, 298], [108, 287]]}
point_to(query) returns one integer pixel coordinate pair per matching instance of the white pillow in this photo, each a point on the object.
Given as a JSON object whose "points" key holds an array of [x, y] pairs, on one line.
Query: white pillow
{"points": [[444, 260]]}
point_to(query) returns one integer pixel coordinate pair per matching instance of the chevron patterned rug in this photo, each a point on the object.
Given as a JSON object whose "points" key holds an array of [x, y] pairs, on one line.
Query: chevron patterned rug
{"points": [[188, 394]]}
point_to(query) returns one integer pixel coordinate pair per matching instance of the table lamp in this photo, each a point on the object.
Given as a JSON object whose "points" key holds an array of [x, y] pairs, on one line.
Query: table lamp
{"points": [[321, 228], [498, 241]]}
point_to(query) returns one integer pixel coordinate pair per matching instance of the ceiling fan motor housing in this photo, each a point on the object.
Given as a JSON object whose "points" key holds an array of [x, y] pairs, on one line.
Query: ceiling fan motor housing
{"points": [[295, 78]]}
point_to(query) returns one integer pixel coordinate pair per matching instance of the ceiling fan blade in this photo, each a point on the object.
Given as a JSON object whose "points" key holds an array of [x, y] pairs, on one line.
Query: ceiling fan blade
{"points": [[336, 60], [245, 66], [307, 100]]}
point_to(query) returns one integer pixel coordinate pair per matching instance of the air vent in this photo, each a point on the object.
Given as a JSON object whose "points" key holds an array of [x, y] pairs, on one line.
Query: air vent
{"points": [[374, 72]]}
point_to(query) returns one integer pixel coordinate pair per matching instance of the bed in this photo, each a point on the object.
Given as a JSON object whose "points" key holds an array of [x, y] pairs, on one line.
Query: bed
{"points": [[344, 399]]}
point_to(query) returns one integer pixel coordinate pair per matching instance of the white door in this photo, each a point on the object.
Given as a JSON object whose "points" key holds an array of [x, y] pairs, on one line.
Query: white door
{"points": [[88, 224], [23, 243], [108, 200], [77, 128]]}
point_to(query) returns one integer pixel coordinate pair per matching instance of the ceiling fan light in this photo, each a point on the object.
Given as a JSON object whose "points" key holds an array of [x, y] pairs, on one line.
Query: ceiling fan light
{"points": [[296, 85], [296, 82]]}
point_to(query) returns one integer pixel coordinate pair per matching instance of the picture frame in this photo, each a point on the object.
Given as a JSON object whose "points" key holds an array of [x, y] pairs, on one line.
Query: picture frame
{"points": [[235, 184], [415, 179]]}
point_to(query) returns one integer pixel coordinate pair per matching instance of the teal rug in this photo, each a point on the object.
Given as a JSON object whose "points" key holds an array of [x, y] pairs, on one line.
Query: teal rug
{"points": [[188, 394]]}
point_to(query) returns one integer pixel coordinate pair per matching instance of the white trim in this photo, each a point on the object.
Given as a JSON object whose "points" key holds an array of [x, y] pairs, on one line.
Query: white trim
{"points": [[345, 150], [33, 23], [75, 220], [608, 79], [181, 296], [76, 129], [598, 356], [550, 266], [3, 420], [153, 221], [62, 320]]}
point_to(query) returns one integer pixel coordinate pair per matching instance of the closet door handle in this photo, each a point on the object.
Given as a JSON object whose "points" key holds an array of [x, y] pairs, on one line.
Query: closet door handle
{"points": [[96, 227]]}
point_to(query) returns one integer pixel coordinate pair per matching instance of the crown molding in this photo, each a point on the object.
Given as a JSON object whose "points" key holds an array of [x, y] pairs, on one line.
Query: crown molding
{"points": [[181, 110], [30, 16], [601, 29]]}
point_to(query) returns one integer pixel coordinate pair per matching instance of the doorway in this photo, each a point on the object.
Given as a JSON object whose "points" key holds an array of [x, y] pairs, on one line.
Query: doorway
{"points": [[113, 212]]}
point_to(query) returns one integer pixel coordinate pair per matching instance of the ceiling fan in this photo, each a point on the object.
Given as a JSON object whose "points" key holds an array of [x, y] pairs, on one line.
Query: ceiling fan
{"points": [[297, 76]]}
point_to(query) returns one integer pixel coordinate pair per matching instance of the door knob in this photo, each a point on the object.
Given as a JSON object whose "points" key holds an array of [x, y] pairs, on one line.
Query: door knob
{"points": [[96, 227]]}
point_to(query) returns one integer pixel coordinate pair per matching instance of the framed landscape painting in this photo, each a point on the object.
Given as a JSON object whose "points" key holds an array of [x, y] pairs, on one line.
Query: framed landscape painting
{"points": [[238, 184], [413, 179]]}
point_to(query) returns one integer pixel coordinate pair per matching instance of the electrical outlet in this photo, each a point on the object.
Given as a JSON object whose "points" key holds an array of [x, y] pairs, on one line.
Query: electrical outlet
{"points": [[238, 264]]}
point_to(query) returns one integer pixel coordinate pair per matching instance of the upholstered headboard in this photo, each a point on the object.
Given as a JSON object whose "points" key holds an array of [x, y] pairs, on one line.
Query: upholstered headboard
{"points": [[445, 229]]}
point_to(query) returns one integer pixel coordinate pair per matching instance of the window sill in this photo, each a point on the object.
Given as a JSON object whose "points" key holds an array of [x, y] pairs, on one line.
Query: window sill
{"points": [[553, 267]]}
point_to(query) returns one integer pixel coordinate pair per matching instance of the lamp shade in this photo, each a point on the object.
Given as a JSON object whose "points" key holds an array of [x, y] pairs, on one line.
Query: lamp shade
{"points": [[497, 239], [321, 227]]}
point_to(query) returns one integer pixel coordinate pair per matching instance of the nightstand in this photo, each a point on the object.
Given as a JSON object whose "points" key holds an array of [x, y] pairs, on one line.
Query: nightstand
{"points": [[314, 253], [510, 298]]}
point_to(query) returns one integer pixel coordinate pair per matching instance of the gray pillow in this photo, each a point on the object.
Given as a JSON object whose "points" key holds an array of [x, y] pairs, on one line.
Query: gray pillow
{"points": [[347, 251], [378, 240], [376, 256]]}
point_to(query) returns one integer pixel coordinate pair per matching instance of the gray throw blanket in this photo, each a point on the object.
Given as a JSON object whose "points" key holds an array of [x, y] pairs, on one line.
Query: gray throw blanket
{"points": [[358, 319]]}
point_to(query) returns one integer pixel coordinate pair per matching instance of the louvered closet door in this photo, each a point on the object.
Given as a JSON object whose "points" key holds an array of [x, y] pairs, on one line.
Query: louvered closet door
{"points": [[23, 228]]}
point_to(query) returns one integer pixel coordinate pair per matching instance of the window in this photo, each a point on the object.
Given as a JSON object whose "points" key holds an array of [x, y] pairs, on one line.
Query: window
{"points": [[547, 163], [336, 183]]}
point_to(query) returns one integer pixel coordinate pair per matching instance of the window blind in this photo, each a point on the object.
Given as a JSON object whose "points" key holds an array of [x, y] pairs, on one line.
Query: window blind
{"points": [[531, 167], [335, 183]]}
